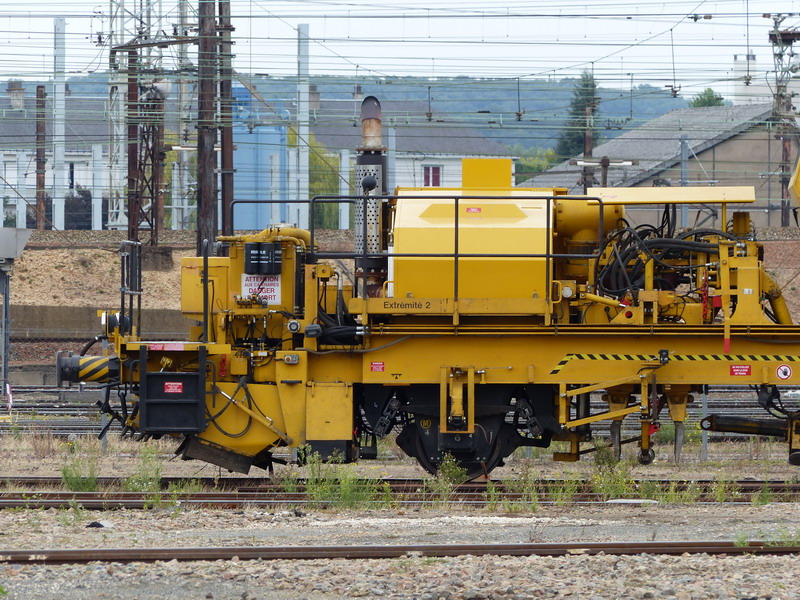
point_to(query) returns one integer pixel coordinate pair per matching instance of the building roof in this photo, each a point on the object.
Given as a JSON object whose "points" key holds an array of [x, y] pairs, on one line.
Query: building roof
{"points": [[337, 125], [86, 123], [656, 144]]}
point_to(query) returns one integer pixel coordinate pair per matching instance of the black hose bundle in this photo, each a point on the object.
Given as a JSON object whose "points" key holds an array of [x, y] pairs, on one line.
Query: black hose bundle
{"points": [[340, 330], [633, 247]]}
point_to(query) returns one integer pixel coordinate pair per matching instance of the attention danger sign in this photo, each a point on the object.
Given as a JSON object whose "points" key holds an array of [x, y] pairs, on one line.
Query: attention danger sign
{"points": [[266, 287]]}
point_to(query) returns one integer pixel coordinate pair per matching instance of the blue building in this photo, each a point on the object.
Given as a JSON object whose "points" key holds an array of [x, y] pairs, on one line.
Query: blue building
{"points": [[261, 160]]}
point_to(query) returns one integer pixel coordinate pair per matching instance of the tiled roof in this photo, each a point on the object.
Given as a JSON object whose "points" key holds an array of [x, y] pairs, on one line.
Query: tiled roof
{"points": [[86, 123], [656, 144], [336, 124]]}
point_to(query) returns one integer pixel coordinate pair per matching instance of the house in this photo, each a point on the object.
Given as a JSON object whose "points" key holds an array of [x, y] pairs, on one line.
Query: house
{"points": [[726, 146], [85, 155], [425, 150]]}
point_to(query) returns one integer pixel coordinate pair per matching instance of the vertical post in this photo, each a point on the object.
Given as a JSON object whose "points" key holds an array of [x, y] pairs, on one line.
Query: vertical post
{"points": [[684, 177], [180, 178], [391, 164], [97, 187], [59, 114], [302, 125], [786, 154], [344, 188], [275, 187], [134, 198], [177, 195], [704, 433], [588, 144], [22, 190], [604, 164], [226, 113], [5, 279], [206, 127], [40, 157]]}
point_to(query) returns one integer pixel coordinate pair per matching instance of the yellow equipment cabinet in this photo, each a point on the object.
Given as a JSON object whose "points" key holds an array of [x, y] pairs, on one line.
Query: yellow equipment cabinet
{"points": [[472, 321], [427, 226]]}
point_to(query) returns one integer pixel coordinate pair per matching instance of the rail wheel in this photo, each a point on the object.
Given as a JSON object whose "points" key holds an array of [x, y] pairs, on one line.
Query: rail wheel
{"points": [[477, 453]]}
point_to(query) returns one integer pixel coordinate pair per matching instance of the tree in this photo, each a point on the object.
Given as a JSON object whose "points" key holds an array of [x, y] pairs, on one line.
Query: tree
{"points": [[323, 178], [707, 97], [532, 161], [584, 96]]}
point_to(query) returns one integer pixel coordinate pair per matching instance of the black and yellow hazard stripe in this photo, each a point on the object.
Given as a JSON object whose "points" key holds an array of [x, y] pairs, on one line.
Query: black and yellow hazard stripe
{"points": [[676, 357], [93, 368], [75, 369]]}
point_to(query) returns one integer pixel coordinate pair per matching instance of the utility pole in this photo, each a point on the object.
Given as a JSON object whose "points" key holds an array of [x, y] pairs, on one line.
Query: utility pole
{"points": [[182, 189], [226, 113], [303, 132], [782, 112], [59, 125], [206, 125], [41, 161], [588, 144], [684, 177], [123, 27], [134, 199]]}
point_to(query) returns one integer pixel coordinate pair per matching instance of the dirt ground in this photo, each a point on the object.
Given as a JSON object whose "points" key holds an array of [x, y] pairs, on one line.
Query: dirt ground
{"points": [[82, 268]]}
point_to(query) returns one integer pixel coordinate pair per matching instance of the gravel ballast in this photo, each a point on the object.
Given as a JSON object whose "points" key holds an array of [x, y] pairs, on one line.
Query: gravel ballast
{"points": [[414, 577]]}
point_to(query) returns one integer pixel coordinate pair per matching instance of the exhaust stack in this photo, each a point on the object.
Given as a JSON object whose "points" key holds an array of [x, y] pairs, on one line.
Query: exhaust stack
{"points": [[369, 218]]}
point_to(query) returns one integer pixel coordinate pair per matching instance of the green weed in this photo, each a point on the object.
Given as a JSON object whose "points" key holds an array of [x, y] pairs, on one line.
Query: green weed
{"points": [[563, 492], [491, 496], [337, 485], [147, 476], [73, 515], [763, 497], [613, 481], [527, 485], [724, 490], [451, 471], [675, 493], [79, 473]]}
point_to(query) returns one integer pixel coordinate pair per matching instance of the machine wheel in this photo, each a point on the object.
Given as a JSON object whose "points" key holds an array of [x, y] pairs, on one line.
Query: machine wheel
{"points": [[646, 456], [412, 441]]}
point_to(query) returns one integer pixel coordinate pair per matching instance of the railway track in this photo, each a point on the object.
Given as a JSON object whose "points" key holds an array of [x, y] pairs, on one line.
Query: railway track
{"points": [[234, 493], [125, 555]]}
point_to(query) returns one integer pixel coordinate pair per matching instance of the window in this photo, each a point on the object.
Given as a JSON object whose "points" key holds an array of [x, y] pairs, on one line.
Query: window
{"points": [[432, 175]]}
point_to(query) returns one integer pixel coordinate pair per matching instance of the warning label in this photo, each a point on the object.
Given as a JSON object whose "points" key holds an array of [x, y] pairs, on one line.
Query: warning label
{"points": [[784, 372], [741, 370], [473, 209], [377, 367], [173, 387], [266, 287]]}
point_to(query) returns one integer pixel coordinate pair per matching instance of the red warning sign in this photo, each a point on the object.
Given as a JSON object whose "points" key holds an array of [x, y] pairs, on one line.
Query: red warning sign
{"points": [[783, 372], [741, 370], [173, 387], [377, 367], [473, 209]]}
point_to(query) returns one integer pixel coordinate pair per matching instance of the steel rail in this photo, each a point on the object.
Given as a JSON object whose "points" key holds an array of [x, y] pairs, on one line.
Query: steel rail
{"points": [[246, 483], [124, 555]]}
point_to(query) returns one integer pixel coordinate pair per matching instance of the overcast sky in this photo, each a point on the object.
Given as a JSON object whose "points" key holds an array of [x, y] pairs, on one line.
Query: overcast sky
{"points": [[690, 44]]}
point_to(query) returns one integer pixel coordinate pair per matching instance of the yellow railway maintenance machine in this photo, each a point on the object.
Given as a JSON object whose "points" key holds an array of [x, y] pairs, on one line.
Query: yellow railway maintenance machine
{"points": [[472, 321]]}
